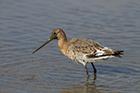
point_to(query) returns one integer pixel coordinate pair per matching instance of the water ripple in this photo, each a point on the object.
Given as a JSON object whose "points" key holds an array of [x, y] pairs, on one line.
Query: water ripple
{"points": [[26, 24]]}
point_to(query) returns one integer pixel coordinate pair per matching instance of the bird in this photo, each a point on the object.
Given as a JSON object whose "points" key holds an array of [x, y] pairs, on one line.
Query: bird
{"points": [[81, 50]]}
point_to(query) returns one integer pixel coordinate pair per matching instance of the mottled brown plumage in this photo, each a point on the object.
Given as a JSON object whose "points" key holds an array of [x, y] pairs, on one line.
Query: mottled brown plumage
{"points": [[81, 50]]}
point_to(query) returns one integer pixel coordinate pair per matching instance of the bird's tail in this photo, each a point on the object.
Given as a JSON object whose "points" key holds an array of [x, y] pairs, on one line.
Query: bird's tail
{"points": [[112, 52], [118, 53]]}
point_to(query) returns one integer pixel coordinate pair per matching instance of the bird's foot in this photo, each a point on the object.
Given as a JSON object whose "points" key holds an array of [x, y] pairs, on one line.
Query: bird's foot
{"points": [[94, 78], [87, 77]]}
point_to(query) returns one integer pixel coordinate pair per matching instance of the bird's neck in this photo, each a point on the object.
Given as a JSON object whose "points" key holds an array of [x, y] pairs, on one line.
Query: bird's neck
{"points": [[63, 45]]}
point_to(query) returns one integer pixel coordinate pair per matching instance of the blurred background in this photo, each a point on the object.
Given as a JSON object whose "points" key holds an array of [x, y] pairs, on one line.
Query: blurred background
{"points": [[26, 24]]}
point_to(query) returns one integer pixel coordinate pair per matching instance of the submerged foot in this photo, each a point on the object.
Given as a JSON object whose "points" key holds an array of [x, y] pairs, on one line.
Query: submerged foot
{"points": [[94, 78]]}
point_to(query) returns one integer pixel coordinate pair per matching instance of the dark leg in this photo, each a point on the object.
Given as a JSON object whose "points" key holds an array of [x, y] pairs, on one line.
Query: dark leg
{"points": [[94, 71], [86, 69]]}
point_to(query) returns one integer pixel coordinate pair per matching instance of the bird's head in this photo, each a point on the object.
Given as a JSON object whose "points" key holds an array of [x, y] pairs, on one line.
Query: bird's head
{"points": [[57, 33]]}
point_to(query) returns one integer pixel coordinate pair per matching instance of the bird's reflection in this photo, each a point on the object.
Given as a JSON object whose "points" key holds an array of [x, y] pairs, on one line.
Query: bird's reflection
{"points": [[86, 88]]}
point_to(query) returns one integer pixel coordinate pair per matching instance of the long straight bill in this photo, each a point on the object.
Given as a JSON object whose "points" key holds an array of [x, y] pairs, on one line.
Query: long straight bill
{"points": [[41, 46]]}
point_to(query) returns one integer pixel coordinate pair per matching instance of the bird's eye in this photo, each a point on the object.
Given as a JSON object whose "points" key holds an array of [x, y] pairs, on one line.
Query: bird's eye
{"points": [[54, 33]]}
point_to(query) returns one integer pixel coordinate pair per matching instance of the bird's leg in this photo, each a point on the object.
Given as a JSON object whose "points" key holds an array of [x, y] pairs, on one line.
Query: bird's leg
{"points": [[95, 71], [86, 69]]}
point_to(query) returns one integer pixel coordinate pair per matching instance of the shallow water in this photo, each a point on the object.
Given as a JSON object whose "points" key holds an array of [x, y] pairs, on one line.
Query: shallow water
{"points": [[26, 24]]}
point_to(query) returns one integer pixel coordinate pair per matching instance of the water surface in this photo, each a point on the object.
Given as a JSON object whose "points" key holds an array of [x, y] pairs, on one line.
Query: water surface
{"points": [[26, 24]]}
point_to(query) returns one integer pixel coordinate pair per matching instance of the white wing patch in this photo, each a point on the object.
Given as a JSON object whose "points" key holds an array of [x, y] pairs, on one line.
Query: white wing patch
{"points": [[99, 53]]}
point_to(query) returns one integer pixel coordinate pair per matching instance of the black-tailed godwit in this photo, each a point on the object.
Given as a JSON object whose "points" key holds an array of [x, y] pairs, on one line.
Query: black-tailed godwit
{"points": [[82, 51]]}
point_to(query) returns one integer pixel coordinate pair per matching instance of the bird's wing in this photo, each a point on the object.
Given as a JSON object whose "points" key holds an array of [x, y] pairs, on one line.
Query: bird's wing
{"points": [[85, 46], [89, 48]]}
